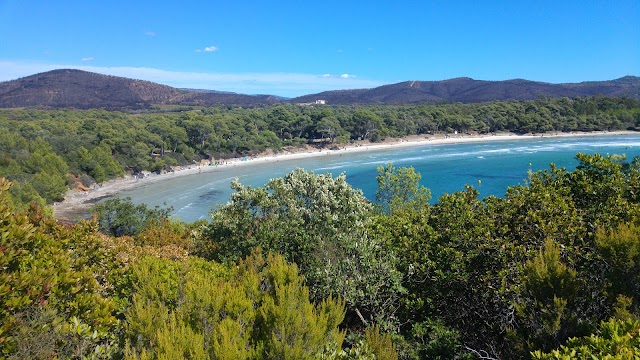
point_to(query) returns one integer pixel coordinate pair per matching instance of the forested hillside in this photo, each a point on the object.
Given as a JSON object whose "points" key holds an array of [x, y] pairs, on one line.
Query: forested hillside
{"points": [[468, 90], [45, 151], [72, 88], [307, 268]]}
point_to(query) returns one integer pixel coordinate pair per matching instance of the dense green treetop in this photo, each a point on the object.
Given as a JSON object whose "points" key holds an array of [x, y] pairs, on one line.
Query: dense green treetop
{"points": [[320, 223], [537, 273], [549, 270], [97, 145]]}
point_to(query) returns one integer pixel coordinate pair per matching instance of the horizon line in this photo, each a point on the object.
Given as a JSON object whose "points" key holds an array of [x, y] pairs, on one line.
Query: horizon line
{"points": [[286, 85]]}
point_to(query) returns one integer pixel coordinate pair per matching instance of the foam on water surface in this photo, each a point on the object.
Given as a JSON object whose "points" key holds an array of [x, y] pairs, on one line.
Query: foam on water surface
{"points": [[444, 169]]}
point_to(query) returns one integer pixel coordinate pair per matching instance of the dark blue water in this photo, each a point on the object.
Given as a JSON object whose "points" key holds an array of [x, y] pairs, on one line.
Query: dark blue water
{"points": [[490, 167]]}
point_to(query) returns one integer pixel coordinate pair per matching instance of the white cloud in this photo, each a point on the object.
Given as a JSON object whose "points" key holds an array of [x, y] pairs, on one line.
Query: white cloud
{"points": [[150, 33], [283, 84], [208, 49], [87, 59], [343, 76]]}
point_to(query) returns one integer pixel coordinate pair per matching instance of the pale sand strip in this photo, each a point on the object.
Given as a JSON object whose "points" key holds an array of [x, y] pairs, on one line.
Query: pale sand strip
{"points": [[77, 202]]}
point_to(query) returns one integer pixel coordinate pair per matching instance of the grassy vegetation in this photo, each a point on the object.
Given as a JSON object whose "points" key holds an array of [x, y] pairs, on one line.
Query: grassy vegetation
{"points": [[307, 268]]}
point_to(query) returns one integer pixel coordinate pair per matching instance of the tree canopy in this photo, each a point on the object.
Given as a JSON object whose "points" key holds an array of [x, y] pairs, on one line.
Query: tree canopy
{"points": [[43, 147], [306, 267]]}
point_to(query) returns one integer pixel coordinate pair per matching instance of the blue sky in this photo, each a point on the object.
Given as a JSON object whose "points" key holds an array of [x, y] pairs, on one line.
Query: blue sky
{"points": [[291, 48]]}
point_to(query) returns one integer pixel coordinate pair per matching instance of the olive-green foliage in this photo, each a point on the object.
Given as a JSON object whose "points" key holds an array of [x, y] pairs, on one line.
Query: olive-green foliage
{"points": [[399, 188], [433, 340], [381, 344], [320, 223], [365, 124], [22, 194], [620, 250], [46, 171], [465, 277], [433, 288], [50, 186], [120, 217], [104, 143], [98, 163], [51, 303], [603, 182], [457, 267], [502, 277], [371, 345], [548, 290], [258, 309], [166, 231], [615, 339]]}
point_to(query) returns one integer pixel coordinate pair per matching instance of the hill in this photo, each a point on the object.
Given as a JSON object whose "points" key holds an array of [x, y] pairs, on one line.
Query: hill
{"points": [[69, 88], [468, 90]]}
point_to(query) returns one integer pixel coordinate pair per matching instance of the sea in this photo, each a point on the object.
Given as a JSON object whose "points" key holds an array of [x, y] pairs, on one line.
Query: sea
{"points": [[491, 167]]}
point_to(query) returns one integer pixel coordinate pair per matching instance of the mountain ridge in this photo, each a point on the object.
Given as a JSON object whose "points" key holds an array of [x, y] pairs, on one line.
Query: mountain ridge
{"points": [[72, 88], [467, 90]]}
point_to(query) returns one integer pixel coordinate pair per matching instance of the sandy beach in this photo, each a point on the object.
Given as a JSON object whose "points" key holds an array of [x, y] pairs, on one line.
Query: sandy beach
{"points": [[77, 202]]}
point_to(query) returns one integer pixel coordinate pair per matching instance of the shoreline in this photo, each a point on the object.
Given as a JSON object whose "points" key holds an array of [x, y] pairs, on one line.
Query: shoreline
{"points": [[77, 202]]}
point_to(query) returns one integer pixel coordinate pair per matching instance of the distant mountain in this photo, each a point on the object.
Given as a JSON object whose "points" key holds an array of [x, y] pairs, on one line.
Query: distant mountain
{"points": [[68, 88], [81, 89], [468, 90]]}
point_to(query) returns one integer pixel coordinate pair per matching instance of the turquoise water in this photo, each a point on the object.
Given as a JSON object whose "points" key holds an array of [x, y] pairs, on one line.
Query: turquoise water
{"points": [[444, 169]]}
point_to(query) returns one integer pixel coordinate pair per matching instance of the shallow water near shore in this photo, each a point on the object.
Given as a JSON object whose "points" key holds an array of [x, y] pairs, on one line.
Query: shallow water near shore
{"points": [[490, 167]]}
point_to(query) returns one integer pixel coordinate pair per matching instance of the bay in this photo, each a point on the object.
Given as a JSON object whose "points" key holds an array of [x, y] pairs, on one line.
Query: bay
{"points": [[491, 167]]}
